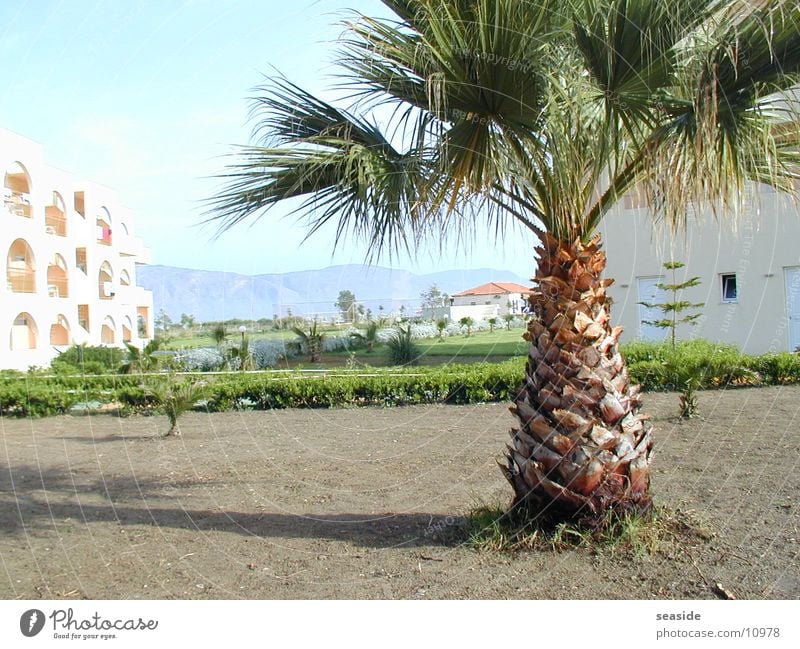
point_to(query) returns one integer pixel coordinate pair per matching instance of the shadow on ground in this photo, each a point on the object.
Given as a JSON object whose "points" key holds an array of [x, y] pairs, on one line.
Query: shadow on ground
{"points": [[34, 499]]}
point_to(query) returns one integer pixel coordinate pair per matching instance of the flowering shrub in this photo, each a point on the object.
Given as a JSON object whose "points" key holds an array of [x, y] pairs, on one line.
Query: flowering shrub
{"points": [[340, 343], [267, 353], [202, 359]]}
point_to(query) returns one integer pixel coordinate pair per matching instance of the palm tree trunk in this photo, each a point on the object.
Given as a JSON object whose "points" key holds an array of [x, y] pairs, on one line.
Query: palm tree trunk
{"points": [[582, 448]]}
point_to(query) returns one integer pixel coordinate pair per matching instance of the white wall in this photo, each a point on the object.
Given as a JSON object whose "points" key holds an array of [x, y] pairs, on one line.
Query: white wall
{"points": [[476, 312], [499, 300], [757, 246]]}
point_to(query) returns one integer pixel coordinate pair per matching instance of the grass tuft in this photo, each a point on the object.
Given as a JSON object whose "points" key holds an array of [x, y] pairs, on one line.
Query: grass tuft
{"points": [[662, 529]]}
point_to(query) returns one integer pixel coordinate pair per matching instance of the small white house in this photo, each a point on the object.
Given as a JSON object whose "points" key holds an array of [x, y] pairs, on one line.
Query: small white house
{"points": [[491, 300]]}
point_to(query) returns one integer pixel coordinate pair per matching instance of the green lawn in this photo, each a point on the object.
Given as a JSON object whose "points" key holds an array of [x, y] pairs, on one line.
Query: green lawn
{"points": [[498, 345], [483, 343], [482, 346]]}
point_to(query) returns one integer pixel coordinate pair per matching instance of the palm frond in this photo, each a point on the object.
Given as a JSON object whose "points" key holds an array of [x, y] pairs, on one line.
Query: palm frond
{"points": [[541, 113], [733, 116], [343, 167]]}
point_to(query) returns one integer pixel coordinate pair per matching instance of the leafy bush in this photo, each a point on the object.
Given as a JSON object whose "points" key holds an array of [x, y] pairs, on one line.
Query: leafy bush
{"points": [[778, 369], [657, 366], [89, 360]]}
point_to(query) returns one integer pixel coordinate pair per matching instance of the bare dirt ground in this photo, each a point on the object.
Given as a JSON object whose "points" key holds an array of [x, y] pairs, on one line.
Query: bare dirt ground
{"points": [[366, 503]]}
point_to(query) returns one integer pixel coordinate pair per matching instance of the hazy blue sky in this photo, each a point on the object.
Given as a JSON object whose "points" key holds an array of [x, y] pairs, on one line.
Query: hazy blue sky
{"points": [[147, 96]]}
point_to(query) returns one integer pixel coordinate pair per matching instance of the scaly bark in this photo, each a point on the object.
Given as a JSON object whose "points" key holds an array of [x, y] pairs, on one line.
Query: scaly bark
{"points": [[582, 447]]}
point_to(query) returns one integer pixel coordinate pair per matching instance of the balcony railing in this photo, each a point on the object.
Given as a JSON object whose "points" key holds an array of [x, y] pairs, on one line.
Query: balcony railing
{"points": [[55, 221], [105, 290], [18, 203], [58, 287], [21, 281], [103, 234]]}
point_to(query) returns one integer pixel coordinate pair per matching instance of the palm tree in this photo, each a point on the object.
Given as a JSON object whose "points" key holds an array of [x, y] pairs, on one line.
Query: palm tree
{"points": [[369, 337], [467, 322], [141, 360], [540, 116], [176, 397], [492, 324], [243, 354], [311, 341]]}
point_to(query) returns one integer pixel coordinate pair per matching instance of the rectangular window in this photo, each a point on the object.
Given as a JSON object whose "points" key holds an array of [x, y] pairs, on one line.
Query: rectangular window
{"points": [[83, 316], [730, 292], [79, 204], [80, 259]]}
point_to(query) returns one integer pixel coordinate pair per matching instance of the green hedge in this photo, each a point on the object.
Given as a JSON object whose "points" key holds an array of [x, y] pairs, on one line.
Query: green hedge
{"points": [[655, 366], [659, 367], [447, 384], [40, 396], [36, 396]]}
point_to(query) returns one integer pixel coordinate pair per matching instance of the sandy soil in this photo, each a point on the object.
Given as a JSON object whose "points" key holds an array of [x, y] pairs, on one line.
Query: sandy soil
{"points": [[364, 503]]}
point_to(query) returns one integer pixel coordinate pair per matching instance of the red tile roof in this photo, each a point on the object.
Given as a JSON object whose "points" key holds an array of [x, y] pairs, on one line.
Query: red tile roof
{"points": [[493, 288]]}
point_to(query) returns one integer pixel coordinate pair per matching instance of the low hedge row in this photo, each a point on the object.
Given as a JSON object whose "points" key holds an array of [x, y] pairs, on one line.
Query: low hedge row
{"points": [[453, 384], [660, 367], [38, 396], [43, 396], [656, 367]]}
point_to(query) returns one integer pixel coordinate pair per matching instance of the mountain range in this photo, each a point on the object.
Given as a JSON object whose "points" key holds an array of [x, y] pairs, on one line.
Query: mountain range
{"points": [[217, 295]]}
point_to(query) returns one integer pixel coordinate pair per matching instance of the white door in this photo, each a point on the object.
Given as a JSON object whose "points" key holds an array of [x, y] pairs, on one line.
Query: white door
{"points": [[792, 277], [648, 291]]}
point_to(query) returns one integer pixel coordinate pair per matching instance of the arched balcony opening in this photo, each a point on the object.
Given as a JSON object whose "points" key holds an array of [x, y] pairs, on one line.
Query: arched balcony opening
{"points": [[103, 221], [21, 268], [57, 277], [17, 191], [24, 334], [59, 332], [105, 282], [108, 331], [124, 278], [55, 216], [127, 330]]}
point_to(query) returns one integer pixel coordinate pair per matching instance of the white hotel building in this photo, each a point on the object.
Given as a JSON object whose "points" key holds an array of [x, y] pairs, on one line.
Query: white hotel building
{"points": [[69, 257]]}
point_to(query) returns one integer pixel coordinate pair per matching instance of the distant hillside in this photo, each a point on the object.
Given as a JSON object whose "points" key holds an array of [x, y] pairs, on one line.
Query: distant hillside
{"points": [[215, 295]]}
